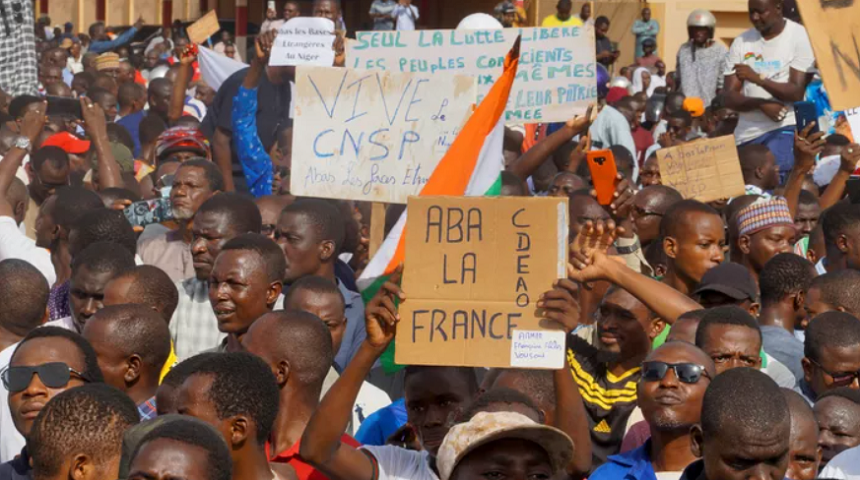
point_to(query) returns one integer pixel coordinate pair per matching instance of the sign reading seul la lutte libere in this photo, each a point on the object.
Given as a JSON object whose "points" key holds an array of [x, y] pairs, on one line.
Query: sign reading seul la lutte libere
{"points": [[556, 78], [373, 135]]}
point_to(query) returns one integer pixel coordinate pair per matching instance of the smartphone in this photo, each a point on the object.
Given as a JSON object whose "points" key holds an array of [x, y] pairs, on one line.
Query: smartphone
{"points": [[852, 186], [62, 106], [601, 164], [804, 114], [147, 212], [271, 6]]}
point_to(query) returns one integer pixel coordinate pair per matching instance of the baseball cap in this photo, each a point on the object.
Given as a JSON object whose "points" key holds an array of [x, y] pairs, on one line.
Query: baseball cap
{"points": [[730, 279], [68, 142], [508, 7], [694, 105], [615, 94], [486, 427]]}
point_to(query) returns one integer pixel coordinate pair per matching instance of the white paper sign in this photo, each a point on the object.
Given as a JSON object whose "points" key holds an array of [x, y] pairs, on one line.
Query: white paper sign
{"points": [[304, 41], [373, 135], [557, 76], [853, 117], [538, 349]]}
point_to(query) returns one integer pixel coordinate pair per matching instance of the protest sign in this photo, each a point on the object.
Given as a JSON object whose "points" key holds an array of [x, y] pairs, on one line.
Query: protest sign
{"points": [[556, 78], [703, 170], [373, 135], [834, 31], [853, 117], [474, 270], [201, 30], [304, 41]]}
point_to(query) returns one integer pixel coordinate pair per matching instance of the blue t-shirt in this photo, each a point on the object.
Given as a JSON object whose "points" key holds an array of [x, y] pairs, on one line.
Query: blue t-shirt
{"points": [[382, 424], [132, 124]]}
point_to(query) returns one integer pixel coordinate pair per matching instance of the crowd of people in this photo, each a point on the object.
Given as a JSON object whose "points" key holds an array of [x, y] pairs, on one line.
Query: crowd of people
{"points": [[228, 338]]}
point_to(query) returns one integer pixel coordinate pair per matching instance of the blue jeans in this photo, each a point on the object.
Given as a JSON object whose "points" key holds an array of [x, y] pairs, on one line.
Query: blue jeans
{"points": [[781, 144]]}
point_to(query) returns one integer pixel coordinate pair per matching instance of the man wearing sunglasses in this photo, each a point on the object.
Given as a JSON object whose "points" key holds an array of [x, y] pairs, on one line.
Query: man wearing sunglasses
{"points": [[831, 354], [47, 362], [673, 383], [649, 207]]}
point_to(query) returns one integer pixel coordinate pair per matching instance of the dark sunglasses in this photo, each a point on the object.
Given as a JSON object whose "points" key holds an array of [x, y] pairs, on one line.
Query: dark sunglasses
{"points": [[685, 372], [52, 375], [840, 379]]}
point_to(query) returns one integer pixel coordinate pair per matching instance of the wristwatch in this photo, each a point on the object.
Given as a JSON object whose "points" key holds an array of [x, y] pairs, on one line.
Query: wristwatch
{"points": [[23, 143]]}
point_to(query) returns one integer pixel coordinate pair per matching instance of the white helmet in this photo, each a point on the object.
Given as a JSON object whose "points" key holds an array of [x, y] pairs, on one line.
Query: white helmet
{"points": [[701, 18], [479, 21], [158, 72], [620, 82]]}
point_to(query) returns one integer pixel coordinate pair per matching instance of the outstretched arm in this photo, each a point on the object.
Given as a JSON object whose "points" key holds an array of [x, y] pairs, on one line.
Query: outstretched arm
{"points": [[530, 161], [95, 124], [320, 444], [590, 262]]}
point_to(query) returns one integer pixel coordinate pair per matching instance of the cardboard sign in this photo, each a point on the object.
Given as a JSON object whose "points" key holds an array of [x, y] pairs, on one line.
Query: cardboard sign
{"points": [[474, 270], [703, 170], [304, 41], [374, 136], [556, 78], [834, 31], [201, 30]]}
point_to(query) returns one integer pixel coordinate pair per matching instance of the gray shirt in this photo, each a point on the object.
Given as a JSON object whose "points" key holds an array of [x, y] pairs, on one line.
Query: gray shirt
{"points": [[383, 7], [780, 344], [702, 76]]}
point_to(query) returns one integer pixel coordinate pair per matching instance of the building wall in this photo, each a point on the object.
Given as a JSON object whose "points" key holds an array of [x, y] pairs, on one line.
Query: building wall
{"points": [[82, 13], [732, 19]]}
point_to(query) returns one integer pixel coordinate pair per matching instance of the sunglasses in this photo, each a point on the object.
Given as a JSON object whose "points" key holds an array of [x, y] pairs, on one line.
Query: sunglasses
{"points": [[52, 375], [685, 372], [840, 379]]}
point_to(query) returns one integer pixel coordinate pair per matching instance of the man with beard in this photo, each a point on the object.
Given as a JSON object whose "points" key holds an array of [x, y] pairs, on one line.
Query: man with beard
{"points": [[673, 383], [194, 327], [194, 182]]}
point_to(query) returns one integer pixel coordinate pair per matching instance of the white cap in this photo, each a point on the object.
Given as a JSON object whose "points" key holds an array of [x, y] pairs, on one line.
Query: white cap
{"points": [[479, 21]]}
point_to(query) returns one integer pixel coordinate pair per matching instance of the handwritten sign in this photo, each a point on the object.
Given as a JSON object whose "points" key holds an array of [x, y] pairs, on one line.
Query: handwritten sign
{"points": [[304, 41], [475, 268], [834, 31], [556, 78], [703, 170], [374, 136], [201, 30]]}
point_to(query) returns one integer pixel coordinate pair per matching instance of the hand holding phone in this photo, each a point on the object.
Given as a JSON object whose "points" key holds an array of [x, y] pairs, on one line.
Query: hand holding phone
{"points": [[147, 212], [805, 114], [604, 172]]}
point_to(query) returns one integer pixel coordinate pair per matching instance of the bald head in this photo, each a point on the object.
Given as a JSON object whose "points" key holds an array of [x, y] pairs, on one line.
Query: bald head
{"points": [[59, 89], [133, 330], [658, 197], [270, 207], [298, 338], [16, 196], [144, 285]]}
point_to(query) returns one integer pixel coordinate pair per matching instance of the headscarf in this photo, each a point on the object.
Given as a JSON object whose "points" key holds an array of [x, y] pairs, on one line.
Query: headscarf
{"points": [[182, 138], [639, 85]]}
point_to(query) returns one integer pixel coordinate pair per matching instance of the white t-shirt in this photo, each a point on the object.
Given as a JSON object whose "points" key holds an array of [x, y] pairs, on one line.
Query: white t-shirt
{"points": [[402, 16], [773, 58], [845, 466], [668, 475], [15, 244], [11, 441], [397, 463]]}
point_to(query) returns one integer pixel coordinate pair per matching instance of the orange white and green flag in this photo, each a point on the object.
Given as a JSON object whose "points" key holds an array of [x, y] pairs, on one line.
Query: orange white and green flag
{"points": [[472, 167]]}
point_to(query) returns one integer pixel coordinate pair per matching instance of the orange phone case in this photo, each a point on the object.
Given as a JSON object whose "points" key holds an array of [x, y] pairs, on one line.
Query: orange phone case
{"points": [[601, 163]]}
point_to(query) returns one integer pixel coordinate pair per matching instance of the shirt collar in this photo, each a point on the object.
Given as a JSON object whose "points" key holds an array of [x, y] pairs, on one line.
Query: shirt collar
{"points": [[638, 460]]}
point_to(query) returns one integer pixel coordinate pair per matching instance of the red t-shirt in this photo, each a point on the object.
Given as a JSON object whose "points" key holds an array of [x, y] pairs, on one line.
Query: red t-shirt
{"points": [[303, 470], [642, 139]]}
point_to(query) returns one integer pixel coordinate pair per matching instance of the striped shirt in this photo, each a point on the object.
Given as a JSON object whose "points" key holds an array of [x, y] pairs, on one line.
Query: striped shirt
{"points": [[608, 399]]}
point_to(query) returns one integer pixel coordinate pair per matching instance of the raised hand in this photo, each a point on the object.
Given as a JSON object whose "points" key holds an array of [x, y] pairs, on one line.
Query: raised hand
{"points": [[264, 44], [560, 305], [95, 123], [806, 147], [590, 249], [381, 315], [850, 157], [33, 122]]}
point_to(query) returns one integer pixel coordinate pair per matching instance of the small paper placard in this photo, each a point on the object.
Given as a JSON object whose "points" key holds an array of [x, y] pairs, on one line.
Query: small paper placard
{"points": [[704, 170], [304, 41], [201, 30], [538, 349]]}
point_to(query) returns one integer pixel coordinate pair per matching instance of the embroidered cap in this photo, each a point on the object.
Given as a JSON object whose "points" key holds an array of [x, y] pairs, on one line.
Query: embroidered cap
{"points": [[764, 213]]}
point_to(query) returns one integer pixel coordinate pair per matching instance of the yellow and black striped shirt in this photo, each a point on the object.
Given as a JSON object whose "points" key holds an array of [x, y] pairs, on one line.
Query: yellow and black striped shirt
{"points": [[608, 399]]}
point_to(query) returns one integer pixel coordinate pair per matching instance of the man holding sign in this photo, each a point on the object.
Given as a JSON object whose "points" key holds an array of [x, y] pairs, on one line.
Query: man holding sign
{"points": [[436, 398]]}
